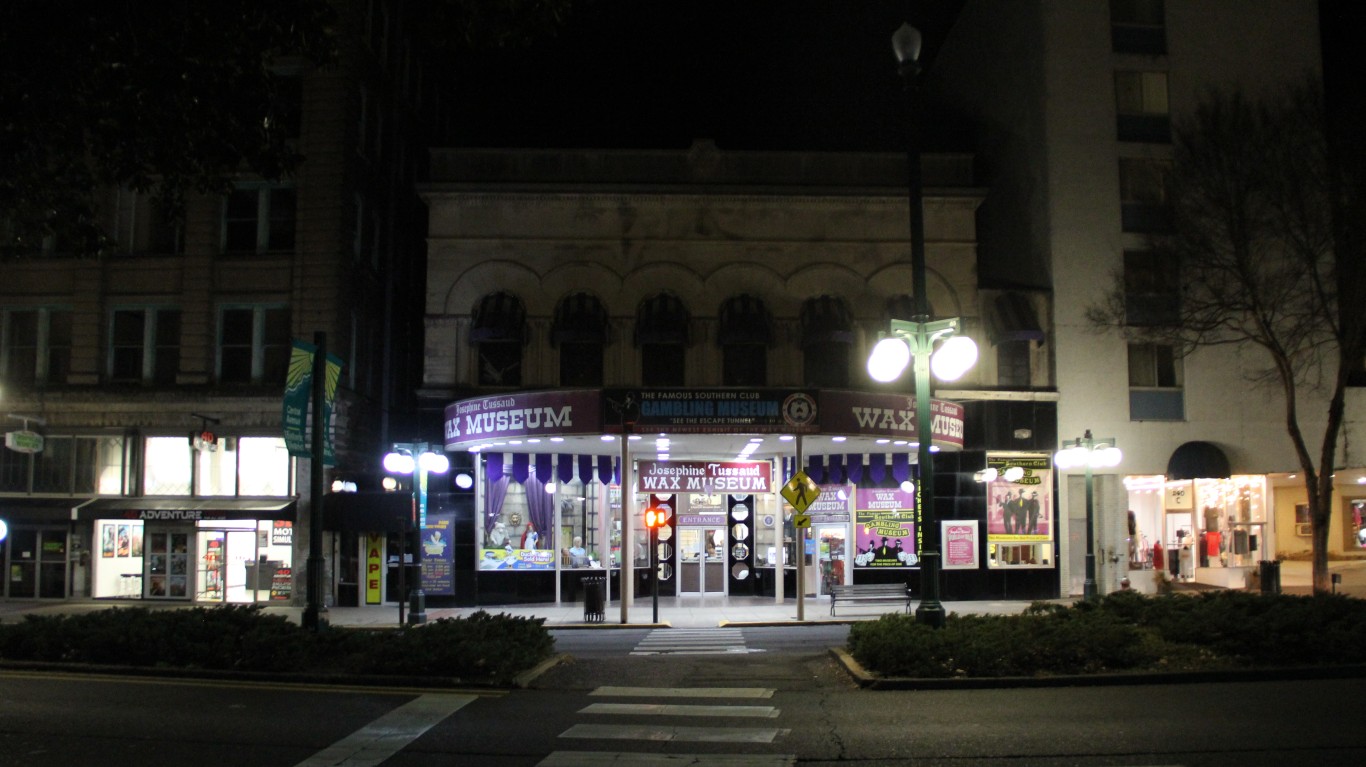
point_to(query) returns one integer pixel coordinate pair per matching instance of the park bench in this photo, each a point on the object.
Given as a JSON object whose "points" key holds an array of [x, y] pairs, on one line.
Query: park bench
{"points": [[871, 593]]}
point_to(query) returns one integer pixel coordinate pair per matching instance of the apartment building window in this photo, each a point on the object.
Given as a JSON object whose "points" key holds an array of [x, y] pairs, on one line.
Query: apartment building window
{"points": [[662, 335], [259, 219], [1155, 383], [253, 344], [744, 334], [35, 346], [141, 225], [1138, 26], [144, 346], [1012, 365], [498, 333], [827, 335], [1143, 194], [580, 332], [69, 465], [1141, 107], [1152, 288]]}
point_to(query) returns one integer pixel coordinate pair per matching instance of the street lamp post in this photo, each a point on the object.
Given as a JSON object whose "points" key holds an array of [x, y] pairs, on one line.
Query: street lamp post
{"points": [[1090, 453], [401, 461], [916, 339]]}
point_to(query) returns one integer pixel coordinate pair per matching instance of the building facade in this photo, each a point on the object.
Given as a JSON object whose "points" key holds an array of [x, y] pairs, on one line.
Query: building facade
{"points": [[1075, 105]]}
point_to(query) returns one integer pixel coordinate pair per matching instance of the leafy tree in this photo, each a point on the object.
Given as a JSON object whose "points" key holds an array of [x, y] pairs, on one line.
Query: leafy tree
{"points": [[163, 97], [1263, 235]]}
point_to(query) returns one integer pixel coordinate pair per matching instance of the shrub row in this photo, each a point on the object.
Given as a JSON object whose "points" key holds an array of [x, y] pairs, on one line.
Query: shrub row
{"points": [[1125, 631], [480, 647]]}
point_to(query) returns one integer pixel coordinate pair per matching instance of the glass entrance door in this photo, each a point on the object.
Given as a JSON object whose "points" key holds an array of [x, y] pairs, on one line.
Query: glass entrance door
{"points": [[211, 567], [702, 560], [37, 564], [830, 553]]}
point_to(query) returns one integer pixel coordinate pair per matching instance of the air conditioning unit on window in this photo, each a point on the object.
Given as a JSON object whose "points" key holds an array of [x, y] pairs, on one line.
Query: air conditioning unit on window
{"points": [[1303, 529]]}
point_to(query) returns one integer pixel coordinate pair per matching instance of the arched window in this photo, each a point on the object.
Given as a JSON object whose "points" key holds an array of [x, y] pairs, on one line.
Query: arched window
{"points": [[580, 332], [498, 333], [744, 335], [827, 334], [662, 336]]}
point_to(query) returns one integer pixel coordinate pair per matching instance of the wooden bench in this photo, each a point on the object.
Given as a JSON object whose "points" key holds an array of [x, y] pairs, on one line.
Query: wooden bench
{"points": [[872, 593]]}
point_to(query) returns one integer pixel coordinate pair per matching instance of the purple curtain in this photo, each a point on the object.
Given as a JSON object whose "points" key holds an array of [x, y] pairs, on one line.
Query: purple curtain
{"points": [[521, 466], [853, 466], [585, 469], [815, 468], [877, 467], [605, 475], [493, 466], [540, 509], [901, 467], [543, 467], [565, 468], [493, 501], [836, 464]]}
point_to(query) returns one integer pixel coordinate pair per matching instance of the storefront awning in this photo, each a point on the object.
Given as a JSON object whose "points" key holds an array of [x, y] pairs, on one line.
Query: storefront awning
{"points": [[1198, 460], [825, 319], [580, 318], [369, 512], [744, 320], [186, 509], [662, 319], [38, 509], [499, 317], [1013, 319]]}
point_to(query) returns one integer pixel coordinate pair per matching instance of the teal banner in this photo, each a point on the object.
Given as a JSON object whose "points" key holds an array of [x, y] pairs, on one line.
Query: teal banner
{"points": [[298, 386]]}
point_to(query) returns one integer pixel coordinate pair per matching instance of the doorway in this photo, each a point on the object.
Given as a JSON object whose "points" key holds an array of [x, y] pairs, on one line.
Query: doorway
{"points": [[830, 555], [702, 560], [37, 563]]}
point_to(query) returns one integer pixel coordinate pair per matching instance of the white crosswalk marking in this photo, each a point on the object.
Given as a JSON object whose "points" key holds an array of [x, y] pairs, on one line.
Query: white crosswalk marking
{"points": [[693, 642], [654, 735], [389, 734]]}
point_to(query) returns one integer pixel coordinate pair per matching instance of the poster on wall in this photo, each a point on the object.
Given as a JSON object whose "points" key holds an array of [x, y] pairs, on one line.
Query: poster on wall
{"points": [[137, 540], [886, 529], [438, 554], [958, 538], [281, 532], [1020, 511], [125, 542], [107, 534], [282, 584]]}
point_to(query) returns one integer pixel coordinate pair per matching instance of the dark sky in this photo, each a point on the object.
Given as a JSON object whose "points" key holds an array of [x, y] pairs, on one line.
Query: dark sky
{"points": [[750, 74]]}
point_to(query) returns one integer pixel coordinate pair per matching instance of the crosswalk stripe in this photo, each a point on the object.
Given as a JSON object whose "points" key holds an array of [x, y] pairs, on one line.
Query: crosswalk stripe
{"points": [[677, 709], [675, 734], [389, 734], [644, 759], [684, 692]]}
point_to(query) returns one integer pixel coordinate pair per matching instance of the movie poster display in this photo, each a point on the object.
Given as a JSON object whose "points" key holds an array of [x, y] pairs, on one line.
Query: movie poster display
{"points": [[438, 553], [886, 528], [1020, 511]]}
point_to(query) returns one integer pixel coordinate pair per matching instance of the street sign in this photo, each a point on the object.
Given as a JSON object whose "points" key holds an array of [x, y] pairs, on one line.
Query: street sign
{"points": [[24, 441], [801, 491], [801, 520]]}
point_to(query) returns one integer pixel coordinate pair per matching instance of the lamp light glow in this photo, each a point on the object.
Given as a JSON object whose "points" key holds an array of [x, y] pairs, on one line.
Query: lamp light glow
{"points": [[954, 358], [889, 358]]}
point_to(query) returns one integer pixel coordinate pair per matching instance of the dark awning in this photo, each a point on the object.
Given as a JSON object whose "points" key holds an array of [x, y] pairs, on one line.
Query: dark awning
{"points": [[369, 512], [662, 319], [38, 509], [580, 318], [744, 320], [177, 509], [1013, 319], [826, 320], [499, 317], [1198, 460]]}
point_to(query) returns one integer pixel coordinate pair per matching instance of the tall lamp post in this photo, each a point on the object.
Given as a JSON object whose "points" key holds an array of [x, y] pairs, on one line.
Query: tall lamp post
{"points": [[916, 339], [401, 461], [1091, 453]]}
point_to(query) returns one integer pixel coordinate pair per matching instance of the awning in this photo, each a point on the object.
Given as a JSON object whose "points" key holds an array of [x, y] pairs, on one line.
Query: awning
{"points": [[825, 320], [662, 319], [186, 509], [499, 317], [1198, 460], [580, 318], [744, 320], [42, 510], [1013, 319], [369, 512]]}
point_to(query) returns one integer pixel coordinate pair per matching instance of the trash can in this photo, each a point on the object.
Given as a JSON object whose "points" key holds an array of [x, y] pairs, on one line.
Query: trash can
{"points": [[1270, 576], [594, 598]]}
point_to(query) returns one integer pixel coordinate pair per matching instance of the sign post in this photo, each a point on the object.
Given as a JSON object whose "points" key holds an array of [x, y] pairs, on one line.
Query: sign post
{"points": [[800, 492]]}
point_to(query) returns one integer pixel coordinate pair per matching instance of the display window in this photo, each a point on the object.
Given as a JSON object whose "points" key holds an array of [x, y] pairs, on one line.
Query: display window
{"points": [[1183, 527], [1021, 514], [238, 561], [519, 525]]}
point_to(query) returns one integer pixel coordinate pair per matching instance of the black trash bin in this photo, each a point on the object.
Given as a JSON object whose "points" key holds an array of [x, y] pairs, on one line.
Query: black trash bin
{"points": [[594, 598], [1270, 576]]}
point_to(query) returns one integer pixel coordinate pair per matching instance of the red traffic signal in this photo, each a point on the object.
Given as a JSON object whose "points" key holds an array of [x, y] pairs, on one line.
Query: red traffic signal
{"points": [[654, 517]]}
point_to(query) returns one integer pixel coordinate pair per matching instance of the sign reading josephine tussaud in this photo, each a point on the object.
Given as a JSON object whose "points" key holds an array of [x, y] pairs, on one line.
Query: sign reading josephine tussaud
{"points": [[523, 414]]}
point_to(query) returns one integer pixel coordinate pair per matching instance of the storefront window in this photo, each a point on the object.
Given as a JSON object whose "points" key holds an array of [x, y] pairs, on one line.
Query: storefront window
{"points": [[167, 466], [519, 526], [1020, 511], [580, 525], [1185, 526]]}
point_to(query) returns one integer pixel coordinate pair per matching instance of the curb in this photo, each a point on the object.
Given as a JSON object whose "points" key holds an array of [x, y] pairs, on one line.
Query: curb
{"points": [[606, 626], [871, 681], [525, 679]]}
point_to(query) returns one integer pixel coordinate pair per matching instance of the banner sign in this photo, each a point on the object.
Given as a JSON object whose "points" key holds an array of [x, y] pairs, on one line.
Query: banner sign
{"points": [[710, 411], [438, 553], [24, 441], [886, 528], [958, 537], [294, 418], [889, 415], [523, 414], [1022, 510], [703, 476], [281, 532], [374, 568]]}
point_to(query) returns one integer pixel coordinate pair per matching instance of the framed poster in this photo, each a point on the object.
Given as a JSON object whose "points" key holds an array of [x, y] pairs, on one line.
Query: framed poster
{"points": [[960, 542], [107, 534]]}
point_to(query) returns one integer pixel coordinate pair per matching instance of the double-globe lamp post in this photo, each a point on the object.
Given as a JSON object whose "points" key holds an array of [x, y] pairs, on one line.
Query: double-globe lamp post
{"points": [[916, 339], [1090, 453], [401, 461]]}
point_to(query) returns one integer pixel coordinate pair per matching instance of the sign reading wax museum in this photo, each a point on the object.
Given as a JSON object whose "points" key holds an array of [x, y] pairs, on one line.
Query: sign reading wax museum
{"points": [[703, 476], [710, 411], [889, 415], [886, 529], [523, 414]]}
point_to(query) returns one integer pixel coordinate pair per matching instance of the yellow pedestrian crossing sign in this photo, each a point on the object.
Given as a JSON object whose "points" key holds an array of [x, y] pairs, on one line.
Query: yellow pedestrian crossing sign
{"points": [[801, 491]]}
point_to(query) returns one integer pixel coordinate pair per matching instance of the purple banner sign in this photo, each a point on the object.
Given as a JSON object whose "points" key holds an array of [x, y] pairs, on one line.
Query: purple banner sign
{"points": [[523, 414], [886, 533], [703, 476], [888, 415]]}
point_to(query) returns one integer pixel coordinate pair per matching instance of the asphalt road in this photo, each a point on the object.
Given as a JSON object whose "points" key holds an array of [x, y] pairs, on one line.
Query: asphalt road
{"points": [[759, 708]]}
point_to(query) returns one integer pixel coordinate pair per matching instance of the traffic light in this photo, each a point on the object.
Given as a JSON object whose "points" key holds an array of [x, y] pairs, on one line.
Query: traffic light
{"points": [[654, 517]]}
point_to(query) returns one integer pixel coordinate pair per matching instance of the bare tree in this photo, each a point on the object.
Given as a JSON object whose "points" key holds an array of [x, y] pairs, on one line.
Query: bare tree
{"points": [[1262, 238]]}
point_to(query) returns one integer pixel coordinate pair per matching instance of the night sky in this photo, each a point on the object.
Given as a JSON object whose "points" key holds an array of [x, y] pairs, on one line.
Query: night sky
{"points": [[749, 74]]}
